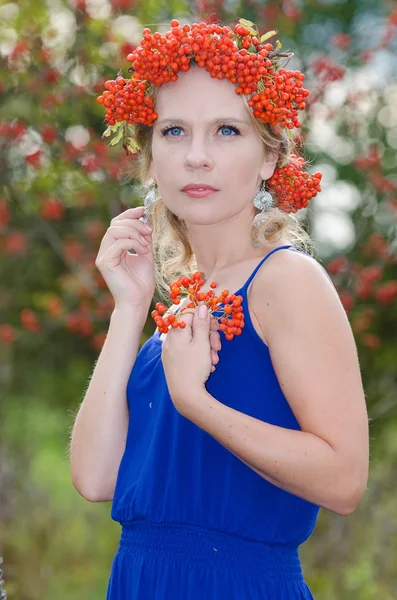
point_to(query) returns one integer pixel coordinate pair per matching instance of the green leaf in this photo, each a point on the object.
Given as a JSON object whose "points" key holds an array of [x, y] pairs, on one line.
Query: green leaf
{"points": [[267, 35], [132, 145], [117, 138], [246, 23], [112, 129], [278, 45]]}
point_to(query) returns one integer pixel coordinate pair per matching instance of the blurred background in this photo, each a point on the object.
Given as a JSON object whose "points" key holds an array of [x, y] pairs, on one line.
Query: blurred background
{"points": [[60, 186]]}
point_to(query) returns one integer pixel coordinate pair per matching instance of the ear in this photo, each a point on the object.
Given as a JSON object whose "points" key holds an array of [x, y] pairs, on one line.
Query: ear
{"points": [[269, 164]]}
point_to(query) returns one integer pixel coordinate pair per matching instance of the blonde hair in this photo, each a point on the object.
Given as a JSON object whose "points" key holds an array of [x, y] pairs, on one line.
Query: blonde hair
{"points": [[173, 252]]}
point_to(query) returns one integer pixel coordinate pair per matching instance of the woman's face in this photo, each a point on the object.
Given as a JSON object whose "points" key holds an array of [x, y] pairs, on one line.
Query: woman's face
{"points": [[203, 135]]}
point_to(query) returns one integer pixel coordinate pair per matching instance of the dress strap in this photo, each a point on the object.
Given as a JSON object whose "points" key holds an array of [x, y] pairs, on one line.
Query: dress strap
{"points": [[246, 285]]}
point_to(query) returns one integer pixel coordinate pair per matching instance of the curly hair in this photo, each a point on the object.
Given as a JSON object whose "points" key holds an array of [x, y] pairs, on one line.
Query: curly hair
{"points": [[174, 256]]}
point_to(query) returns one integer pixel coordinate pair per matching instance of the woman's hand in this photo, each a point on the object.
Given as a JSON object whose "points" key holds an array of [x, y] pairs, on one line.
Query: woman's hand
{"points": [[129, 277], [189, 356]]}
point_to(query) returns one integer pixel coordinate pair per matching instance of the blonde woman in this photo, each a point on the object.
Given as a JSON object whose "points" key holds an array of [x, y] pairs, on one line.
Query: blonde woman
{"points": [[218, 453]]}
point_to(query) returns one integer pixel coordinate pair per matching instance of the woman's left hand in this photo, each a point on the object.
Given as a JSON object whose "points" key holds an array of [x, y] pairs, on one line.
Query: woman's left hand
{"points": [[189, 356]]}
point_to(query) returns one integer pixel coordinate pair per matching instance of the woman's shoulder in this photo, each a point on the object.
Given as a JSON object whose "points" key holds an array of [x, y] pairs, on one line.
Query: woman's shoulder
{"points": [[289, 267], [292, 285]]}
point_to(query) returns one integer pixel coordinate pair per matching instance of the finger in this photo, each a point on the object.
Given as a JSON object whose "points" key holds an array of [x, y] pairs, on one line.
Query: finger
{"points": [[112, 256], [123, 232], [201, 326], [215, 340], [133, 224], [130, 213], [214, 357], [214, 324]]}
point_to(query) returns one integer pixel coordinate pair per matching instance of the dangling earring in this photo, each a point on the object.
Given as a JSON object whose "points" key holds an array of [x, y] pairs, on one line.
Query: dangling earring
{"points": [[263, 199], [150, 199]]}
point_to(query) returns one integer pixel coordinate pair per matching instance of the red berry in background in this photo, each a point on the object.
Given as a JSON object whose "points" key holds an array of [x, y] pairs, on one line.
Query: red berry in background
{"points": [[5, 129], [80, 324], [95, 230], [326, 69], [364, 320], [80, 4], [392, 18], [372, 159], [337, 265], [52, 210], [49, 134], [18, 129], [4, 212], [52, 76], [7, 333], [54, 306], [86, 199], [99, 280], [100, 148], [90, 164], [372, 273], [376, 247], [363, 290], [73, 250], [45, 55], [15, 243], [341, 40], [34, 159], [371, 340], [386, 293], [125, 49], [29, 320]]}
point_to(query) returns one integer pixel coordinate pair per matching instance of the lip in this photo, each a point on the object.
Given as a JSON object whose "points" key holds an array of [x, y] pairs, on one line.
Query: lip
{"points": [[198, 190]]}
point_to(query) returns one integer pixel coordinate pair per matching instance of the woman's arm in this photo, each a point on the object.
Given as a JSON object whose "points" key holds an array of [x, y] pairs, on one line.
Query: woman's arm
{"points": [[100, 429], [315, 359]]}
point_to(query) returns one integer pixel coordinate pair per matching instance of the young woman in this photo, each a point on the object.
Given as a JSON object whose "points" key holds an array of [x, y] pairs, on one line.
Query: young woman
{"points": [[218, 452]]}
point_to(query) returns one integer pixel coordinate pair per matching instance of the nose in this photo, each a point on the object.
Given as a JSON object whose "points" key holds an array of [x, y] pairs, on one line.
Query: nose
{"points": [[198, 154]]}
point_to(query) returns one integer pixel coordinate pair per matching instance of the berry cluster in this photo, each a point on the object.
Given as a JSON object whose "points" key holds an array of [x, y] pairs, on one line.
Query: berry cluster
{"points": [[231, 321], [127, 101], [294, 187], [239, 55], [282, 96], [326, 69]]}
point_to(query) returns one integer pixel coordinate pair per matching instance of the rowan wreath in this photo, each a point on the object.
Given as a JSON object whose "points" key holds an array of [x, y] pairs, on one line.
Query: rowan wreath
{"points": [[240, 55]]}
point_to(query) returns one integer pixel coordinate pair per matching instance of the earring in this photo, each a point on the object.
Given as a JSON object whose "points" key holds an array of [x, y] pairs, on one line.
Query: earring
{"points": [[150, 199], [263, 199]]}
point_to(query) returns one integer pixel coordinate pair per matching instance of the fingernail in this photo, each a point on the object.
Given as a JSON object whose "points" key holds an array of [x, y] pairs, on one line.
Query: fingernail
{"points": [[202, 311], [148, 228]]}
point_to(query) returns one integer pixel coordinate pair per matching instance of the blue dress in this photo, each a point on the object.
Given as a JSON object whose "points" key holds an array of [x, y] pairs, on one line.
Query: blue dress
{"points": [[197, 523]]}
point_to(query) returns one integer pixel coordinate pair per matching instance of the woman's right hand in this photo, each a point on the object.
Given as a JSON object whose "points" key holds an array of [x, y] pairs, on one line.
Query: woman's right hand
{"points": [[130, 278]]}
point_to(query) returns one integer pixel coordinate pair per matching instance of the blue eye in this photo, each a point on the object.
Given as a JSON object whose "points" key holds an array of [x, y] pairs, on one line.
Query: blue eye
{"points": [[171, 129], [231, 129]]}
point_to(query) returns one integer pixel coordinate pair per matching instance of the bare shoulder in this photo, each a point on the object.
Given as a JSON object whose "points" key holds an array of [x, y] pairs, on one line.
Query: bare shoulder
{"points": [[291, 287], [286, 266]]}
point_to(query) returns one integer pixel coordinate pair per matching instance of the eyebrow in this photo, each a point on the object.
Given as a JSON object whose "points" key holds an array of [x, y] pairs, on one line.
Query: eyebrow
{"points": [[212, 122]]}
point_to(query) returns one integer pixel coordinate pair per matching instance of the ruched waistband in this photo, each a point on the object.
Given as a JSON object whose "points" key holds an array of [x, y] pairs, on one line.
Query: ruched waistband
{"points": [[191, 543]]}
